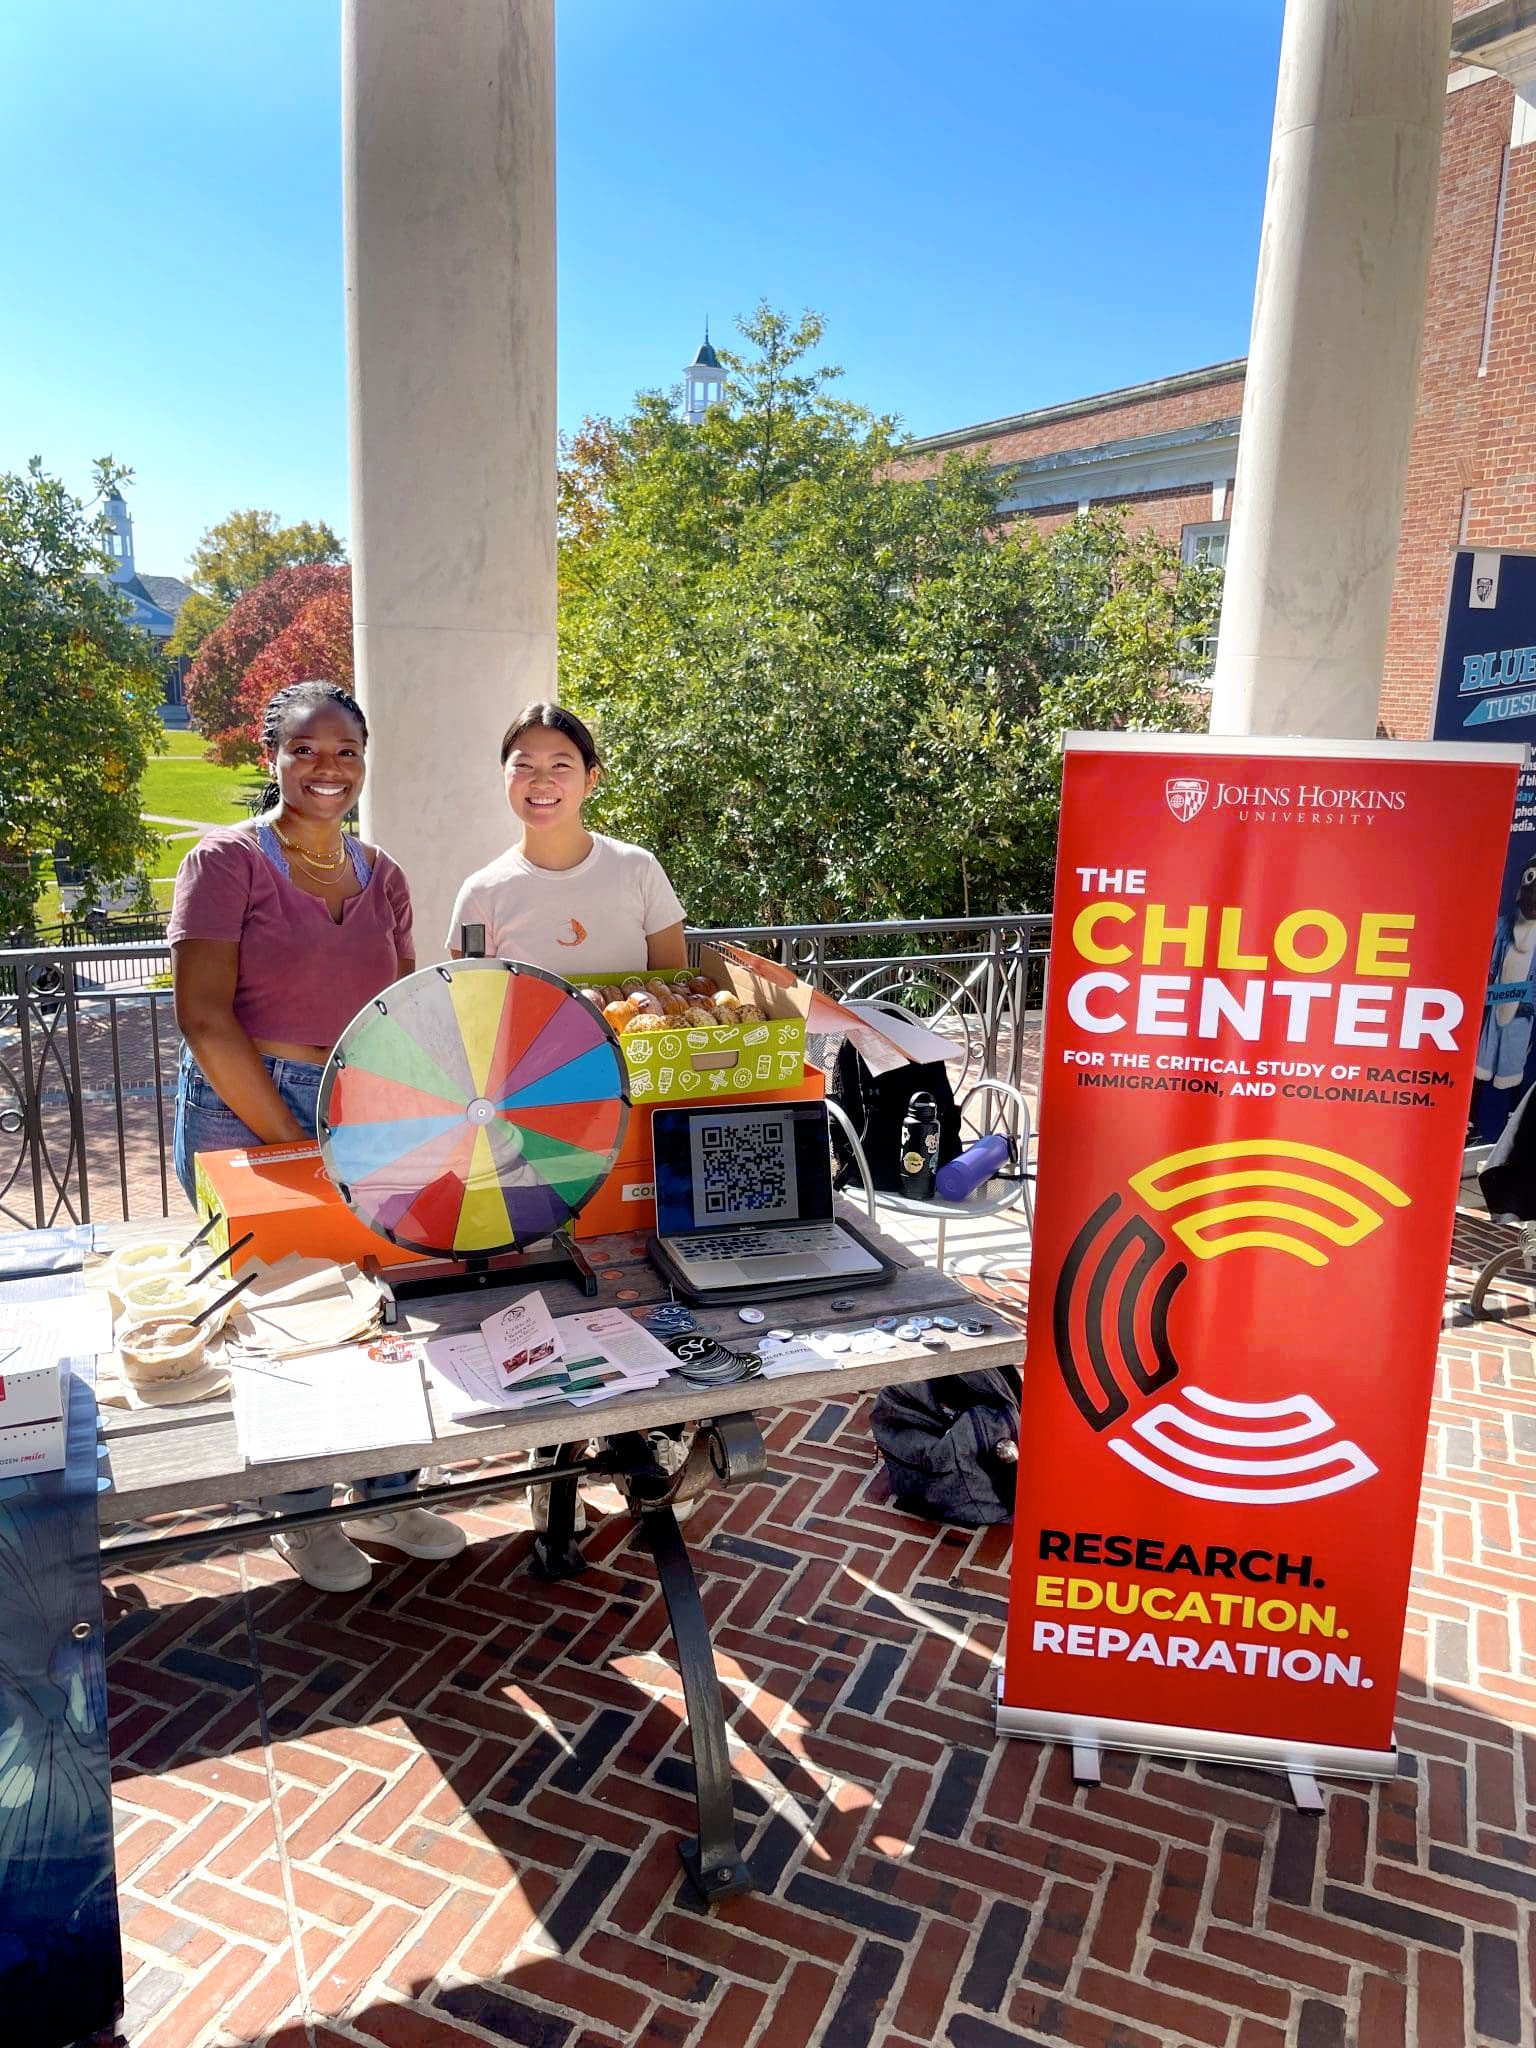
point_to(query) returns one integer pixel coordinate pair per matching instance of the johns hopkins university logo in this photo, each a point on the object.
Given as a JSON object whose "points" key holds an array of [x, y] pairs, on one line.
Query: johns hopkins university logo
{"points": [[1186, 796]]}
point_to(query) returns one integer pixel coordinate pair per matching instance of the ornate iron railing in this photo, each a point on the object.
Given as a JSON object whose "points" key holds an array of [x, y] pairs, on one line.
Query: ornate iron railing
{"points": [[88, 1043]]}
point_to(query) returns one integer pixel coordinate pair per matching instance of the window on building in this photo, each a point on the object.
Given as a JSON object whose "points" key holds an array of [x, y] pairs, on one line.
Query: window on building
{"points": [[1206, 543]]}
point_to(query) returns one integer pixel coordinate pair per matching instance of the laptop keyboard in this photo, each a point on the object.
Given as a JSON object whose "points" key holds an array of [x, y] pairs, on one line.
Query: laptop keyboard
{"points": [[758, 1244]]}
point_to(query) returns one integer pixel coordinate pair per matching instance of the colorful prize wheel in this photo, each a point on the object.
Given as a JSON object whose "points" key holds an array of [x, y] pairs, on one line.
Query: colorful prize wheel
{"points": [[473, 1108]]}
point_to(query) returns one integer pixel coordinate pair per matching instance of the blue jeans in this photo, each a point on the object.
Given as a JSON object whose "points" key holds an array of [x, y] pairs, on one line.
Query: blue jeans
{"points": [[206, 1123]]}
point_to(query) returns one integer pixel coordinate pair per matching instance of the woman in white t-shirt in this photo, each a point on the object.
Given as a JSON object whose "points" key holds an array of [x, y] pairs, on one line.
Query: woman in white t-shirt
{"points": [[567, 899], [564, 898]]}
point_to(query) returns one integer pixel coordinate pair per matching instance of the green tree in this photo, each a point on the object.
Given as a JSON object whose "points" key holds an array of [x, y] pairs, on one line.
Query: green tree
{"points": [[827, 688], [80, 691], [236, 555]]}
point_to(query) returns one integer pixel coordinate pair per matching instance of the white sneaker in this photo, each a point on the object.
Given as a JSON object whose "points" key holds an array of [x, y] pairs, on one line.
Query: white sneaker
{"points": [[671, 1454], [416, 1531], [538, 1500], [323, 1558]]}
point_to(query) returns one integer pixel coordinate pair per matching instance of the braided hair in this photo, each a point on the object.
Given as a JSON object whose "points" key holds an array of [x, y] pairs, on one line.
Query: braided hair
{"points": [[299, 697]]}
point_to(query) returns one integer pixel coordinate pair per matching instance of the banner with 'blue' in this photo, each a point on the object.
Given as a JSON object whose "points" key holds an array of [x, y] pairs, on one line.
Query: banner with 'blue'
{"points": [[1487, 691]]}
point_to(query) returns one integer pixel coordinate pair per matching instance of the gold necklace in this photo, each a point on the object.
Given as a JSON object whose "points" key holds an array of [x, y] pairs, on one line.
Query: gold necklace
{"points": [[318, 864]]}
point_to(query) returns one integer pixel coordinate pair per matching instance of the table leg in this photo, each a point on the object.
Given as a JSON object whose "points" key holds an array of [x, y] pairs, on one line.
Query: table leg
{"points": [[556, 1553], [733, 1448]]}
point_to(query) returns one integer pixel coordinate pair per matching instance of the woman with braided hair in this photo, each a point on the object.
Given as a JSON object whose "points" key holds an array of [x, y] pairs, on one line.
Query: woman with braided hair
{"points": [[281, 931]]}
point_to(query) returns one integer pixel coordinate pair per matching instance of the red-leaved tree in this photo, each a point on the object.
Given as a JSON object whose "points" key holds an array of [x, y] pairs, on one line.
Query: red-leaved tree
{"points": [[316, 644], [225, 705]]}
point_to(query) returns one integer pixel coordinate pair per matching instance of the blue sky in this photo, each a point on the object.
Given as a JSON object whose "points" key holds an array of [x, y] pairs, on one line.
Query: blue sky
{"points": [[994, 207]]}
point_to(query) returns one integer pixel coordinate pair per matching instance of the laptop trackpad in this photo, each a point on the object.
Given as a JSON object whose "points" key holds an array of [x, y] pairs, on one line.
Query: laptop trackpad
{"points": [[804, 1267]]}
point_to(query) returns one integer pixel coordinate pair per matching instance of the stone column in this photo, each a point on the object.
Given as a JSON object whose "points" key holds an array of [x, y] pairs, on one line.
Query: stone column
{"points": [[1333, 367], [448, 147]]}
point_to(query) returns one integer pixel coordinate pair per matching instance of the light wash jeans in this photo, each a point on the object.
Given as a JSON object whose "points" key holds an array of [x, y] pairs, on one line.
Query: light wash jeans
{"points": [[206, 1123]]}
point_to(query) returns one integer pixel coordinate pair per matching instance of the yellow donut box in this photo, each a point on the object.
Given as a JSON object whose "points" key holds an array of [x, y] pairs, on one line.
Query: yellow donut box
{"points": [[718, 1062]]}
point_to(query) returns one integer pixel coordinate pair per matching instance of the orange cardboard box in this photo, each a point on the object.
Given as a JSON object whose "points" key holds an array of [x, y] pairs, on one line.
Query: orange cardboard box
{"points": [[626, 1200], [284, 1195]]}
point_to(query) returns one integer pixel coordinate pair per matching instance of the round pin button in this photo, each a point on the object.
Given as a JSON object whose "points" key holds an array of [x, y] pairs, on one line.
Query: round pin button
{"points": [[908, 1332], [781, 1336], [971, 1328], [945, 1323], [749, 1315], [838, 1342], [934, 1340], [845, 1301], [921, 1322]]}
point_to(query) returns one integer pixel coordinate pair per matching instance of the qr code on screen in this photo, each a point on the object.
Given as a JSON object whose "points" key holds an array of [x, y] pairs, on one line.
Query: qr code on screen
{"points": [[745, 1168]]}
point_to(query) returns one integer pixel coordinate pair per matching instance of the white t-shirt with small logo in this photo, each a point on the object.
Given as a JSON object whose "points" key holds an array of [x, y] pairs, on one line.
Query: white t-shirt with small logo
{"points": [[595, 916]]}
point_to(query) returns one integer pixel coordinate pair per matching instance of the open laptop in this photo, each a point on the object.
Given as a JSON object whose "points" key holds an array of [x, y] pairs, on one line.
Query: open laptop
{"points": [[744, 1201]]}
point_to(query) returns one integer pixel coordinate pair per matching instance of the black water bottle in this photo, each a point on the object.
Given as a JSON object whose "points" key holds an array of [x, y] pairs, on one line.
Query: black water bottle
{"points": [[919, 1147]]}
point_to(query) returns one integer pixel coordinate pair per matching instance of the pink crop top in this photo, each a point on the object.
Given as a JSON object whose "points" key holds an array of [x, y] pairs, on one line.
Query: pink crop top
{"points": [[302, 979]]}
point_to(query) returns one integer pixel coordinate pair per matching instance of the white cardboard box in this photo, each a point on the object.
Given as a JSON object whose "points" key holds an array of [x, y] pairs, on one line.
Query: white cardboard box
{"points": [[33, 1447], [34, 1394]]}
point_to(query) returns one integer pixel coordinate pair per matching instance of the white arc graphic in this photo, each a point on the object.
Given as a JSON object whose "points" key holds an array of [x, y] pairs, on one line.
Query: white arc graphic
{"points": [[1168, 1429]]}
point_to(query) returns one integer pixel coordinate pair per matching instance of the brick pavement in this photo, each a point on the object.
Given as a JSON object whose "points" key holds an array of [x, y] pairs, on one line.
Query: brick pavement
{"points": [[445, 1812]]}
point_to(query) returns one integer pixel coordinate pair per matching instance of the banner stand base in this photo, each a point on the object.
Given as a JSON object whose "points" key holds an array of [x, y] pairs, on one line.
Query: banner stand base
{"points": [[1301, 1763]]}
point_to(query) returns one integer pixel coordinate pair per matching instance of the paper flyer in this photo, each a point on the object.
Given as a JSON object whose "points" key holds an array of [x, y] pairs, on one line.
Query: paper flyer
{"points": [[522, 1339]]}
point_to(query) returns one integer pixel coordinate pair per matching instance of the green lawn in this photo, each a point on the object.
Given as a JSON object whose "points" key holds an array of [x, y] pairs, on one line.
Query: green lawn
{"points": [[180, 783]]}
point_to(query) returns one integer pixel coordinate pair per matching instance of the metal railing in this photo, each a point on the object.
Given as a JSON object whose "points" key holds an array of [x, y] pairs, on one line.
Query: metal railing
{"points": [[88, 1043]]}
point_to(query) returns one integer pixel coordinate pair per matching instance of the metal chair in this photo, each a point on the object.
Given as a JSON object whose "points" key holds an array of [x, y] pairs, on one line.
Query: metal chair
{"points": [[1012, 1187], [1515, 1265]]}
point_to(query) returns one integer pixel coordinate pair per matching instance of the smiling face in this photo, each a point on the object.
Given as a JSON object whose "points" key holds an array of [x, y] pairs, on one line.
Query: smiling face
{"points": [[319, 762], [547, 780]]}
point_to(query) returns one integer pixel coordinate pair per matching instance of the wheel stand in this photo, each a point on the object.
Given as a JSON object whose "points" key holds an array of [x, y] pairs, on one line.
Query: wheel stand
{"points": [[731, 1449], [561, 1258]]}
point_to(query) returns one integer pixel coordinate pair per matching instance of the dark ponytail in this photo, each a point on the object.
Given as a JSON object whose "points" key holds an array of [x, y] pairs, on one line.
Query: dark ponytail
{"points": [[299, 697]]}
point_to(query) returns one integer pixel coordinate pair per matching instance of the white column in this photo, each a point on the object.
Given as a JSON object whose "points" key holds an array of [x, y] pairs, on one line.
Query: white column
{"points": [[1333, 367], [448, 146]]}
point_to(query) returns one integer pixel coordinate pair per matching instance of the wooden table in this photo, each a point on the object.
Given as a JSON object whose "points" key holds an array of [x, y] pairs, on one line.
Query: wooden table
{"points": [[187, 1457]]}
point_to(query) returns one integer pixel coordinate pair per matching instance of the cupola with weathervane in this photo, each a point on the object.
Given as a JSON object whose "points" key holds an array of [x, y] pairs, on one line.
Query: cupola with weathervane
{"points": [[703, 383]]}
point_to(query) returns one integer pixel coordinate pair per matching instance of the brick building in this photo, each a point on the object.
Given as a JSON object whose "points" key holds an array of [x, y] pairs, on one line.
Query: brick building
{"points": [[1168, 449]]}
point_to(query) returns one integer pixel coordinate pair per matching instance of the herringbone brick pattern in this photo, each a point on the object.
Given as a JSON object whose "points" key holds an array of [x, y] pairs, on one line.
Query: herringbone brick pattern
{"points": [[445, 1812]]}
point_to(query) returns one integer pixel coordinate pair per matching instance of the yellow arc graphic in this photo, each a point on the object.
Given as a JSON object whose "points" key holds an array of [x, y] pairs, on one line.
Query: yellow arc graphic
{"points": [[1343, 1218]]}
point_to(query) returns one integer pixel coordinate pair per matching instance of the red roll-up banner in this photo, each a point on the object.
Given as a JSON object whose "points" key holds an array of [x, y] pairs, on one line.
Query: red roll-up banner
{"points": [[1266, 978]]}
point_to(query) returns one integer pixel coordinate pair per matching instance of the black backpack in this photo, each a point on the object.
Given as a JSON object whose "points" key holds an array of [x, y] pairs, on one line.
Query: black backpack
{"points": [[941, 1441], [876, 1105]]}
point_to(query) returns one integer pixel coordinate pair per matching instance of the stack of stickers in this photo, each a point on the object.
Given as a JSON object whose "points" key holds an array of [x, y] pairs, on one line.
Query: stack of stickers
{"points": [[783, 1353]]}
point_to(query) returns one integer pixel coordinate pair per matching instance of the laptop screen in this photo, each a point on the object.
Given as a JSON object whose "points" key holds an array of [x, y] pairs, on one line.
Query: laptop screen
{"points": [[761, 1163]]}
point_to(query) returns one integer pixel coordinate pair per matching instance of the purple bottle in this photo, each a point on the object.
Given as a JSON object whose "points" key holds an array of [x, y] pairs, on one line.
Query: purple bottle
{"points": [[962, 1176]]}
